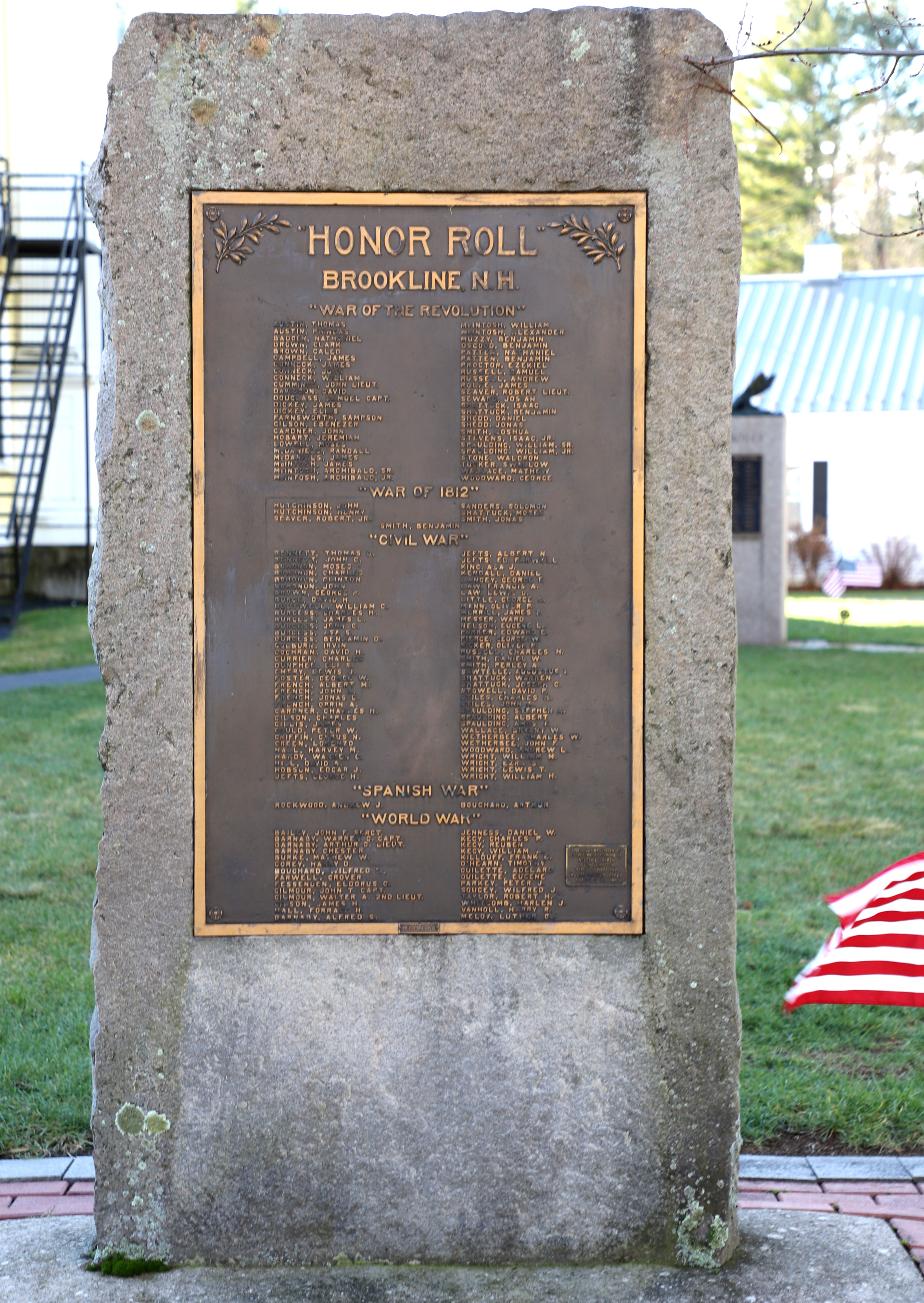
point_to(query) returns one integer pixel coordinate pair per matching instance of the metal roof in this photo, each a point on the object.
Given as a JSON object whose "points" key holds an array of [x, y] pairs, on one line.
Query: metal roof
{"points": [[854, 344]]}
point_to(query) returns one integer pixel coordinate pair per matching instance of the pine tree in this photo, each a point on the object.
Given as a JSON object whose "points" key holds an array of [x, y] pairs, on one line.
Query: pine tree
{"points": [[831, 137]]}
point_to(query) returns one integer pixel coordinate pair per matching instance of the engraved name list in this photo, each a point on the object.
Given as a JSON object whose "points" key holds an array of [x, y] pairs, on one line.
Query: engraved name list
{"points": [[418, 465]]}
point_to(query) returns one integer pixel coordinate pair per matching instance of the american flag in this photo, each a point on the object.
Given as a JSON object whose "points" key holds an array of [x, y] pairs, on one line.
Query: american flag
{"points": [[833, 583], [876, 955], [851, 574], [861, 574]]}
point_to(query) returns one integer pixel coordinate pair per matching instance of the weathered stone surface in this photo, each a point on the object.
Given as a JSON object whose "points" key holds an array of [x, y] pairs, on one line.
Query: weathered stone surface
{"points": [[775, 1167], [468, 1099], [799, 1257], [32, 1169], [860, 1167]]}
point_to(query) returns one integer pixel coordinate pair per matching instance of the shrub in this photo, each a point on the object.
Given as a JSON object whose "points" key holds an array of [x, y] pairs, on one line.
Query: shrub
{"points": [[897, 558], [811, 549]]}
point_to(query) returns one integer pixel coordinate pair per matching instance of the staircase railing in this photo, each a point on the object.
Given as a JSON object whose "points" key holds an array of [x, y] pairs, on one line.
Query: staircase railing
{"points": [[4, 202], [43, 243]]}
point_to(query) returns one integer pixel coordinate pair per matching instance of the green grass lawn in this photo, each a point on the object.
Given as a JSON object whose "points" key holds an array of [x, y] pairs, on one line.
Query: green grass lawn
{"points": [[49, 826], [830, 772], [829, 780], [49, 638], [892, 617]]}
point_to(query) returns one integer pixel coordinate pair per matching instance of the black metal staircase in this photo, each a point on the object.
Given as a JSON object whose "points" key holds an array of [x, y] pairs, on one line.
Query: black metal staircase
{"points": [[43, 247]]}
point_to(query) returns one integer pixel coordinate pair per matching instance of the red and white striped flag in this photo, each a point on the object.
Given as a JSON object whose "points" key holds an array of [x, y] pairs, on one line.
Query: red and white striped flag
{"points": [[876, 956], [865, 574], [833, 583]]}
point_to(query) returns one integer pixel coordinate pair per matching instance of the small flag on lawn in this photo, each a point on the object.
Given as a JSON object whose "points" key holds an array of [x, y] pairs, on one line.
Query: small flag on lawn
{"points": [[861, 574], [833, 583], [876, 956]]}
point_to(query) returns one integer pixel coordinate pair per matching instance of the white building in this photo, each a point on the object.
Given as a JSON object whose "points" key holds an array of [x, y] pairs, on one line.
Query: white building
{"points": [[48, 127], [847, 353]]}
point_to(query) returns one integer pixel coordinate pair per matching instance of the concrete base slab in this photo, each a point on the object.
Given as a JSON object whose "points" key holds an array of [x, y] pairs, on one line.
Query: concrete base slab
{"points": [[799, 1257]]}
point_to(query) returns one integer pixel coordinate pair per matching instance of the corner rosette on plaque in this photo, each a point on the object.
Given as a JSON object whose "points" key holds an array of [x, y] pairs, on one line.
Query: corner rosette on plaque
{"points": [[239, 242], [595, 242]]}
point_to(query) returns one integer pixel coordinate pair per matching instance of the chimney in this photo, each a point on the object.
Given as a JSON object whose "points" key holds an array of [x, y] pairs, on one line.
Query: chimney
{"points": [[823, 259]]}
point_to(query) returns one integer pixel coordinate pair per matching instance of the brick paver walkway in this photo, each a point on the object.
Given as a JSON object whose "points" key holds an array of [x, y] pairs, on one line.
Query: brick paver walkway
{"points": [[860, 1187], [900, 1203], [45, 1198]]}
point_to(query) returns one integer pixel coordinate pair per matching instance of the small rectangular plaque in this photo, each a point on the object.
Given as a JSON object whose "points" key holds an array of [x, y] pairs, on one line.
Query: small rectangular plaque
{"points": [[418, 524], [596, 866]]}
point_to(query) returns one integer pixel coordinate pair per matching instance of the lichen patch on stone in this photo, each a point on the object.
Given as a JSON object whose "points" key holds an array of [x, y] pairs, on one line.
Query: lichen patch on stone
{"points": [[130, 1120], [579, 44], [203, 110], [699, 1242], [147, 422], [133, 1121]]}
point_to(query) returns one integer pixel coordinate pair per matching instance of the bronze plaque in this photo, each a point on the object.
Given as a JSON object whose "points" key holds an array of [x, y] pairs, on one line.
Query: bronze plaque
{"points": [[418, 533], [597, 866]]}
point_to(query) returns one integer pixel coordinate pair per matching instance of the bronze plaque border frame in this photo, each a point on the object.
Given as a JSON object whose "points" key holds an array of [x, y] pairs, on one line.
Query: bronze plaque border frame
{"points": [[199, 199]]}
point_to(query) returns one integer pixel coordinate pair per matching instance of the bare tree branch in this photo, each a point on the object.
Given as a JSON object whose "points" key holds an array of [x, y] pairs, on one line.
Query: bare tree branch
{"points": [[898, 235], [789, 35], [903, 27], [797, 54], [893, 235], [744, 36], [776, 53], [871, 90], [713, 83]]}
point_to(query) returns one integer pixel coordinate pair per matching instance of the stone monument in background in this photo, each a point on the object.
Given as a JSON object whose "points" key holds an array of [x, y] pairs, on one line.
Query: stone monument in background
{"points": [[759, 525], [409, 944]]}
